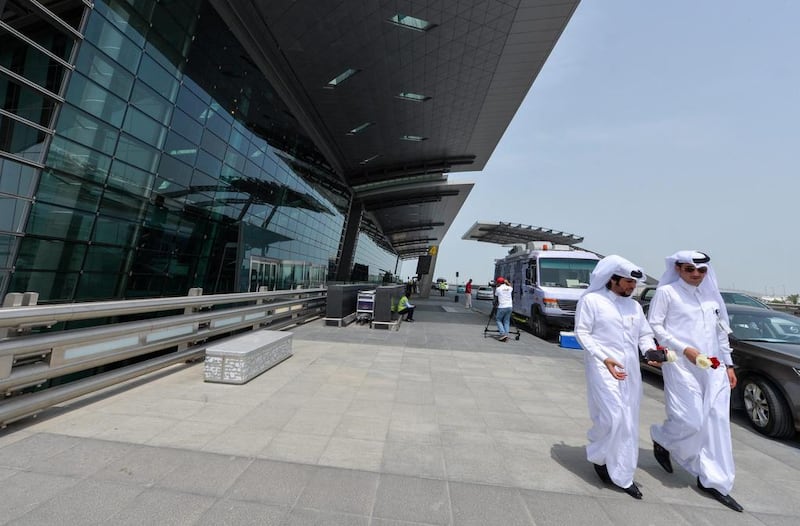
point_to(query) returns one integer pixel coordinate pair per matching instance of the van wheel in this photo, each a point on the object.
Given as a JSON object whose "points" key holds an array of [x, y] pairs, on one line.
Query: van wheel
{"points": [[539, 326], [766, 408]]}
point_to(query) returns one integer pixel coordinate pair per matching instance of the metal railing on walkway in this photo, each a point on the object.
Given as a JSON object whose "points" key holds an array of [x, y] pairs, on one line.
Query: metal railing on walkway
{"points": [[31, 360]]}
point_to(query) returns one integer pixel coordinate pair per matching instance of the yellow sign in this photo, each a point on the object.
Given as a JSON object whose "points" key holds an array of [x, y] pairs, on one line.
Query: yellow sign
{"points": [[432, 250]]}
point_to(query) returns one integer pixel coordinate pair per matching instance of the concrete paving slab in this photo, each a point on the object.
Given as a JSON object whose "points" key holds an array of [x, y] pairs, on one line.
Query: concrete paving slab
{"points": [[412, 499]]}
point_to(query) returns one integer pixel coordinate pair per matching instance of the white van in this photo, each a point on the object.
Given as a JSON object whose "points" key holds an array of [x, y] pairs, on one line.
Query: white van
{"points": [[547, 283]]}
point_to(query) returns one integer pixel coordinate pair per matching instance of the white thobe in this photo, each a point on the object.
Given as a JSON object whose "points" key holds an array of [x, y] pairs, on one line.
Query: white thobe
{"points": [[697, 431], [612, 326]]}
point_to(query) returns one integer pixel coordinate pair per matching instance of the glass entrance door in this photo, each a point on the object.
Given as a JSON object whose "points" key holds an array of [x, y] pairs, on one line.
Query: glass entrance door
{"points": [[263, 273]]}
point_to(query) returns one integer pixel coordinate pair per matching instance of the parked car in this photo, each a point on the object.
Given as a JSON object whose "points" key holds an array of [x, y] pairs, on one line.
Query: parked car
{"points": [[484, 293], [644, 296], [766, 354]]}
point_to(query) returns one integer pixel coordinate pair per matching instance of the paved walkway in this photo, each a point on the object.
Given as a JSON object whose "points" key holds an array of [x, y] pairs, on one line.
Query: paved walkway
{"points": [[437, 423]]}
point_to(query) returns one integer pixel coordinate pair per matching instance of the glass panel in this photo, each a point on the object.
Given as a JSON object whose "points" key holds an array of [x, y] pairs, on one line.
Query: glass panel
{"points": [[115, 232], [143, 127], [73, 158], [7, 244], [43, 254], [16, 178], [137, 153], [26, 103], [175, 171], [92, 98], [40, 31], [11, 213], [213, 145], [130, 179], [105, 259], [219, 122], [87, 130], [126, 18], [186, 126], [191, 104], [95, 287], [67, 191], [56, 222], [158, 78], [180, 148], [113, 43], [21, 140], [30, 63], [151, 103], [104, 71], [123, 206], [173, 35], [208, 164], [51, 286]]}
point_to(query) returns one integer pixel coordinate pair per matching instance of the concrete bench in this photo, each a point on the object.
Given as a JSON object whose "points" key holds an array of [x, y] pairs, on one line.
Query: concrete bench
{"points": [[240, 359]]}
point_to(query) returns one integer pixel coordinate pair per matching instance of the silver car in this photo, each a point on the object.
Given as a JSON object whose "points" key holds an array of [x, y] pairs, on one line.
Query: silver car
{"points": [[484, 293]]}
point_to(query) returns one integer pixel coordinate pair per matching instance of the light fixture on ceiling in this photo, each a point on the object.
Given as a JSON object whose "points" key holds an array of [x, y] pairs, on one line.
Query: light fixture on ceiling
{"points": [[411, 22], [337, 80], [369, 159], [413, 138], [413, 97], [360, 128]]}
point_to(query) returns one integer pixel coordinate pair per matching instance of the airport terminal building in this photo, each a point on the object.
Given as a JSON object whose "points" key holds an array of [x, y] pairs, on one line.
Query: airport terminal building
{"points": [[148, 147]]}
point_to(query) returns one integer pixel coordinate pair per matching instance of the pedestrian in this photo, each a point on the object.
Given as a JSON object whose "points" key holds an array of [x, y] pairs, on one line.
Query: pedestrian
{"points": [[504, 305], [468, 292], [406, 307], [442, 287], [688, 315], [612, 329]]}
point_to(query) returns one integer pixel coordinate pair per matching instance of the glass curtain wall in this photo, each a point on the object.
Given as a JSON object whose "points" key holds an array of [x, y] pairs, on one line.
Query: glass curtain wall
{"points": [[160, 159]]}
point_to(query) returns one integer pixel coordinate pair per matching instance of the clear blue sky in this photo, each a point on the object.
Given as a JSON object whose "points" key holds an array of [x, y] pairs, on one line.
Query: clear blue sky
{"points": [[655, 127]]}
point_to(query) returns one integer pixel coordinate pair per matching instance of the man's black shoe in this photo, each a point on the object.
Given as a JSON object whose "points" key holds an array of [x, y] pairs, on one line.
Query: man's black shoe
{"points": [[662, 456], [727, 500], [602, 472], [633, 491], [410, 320]]}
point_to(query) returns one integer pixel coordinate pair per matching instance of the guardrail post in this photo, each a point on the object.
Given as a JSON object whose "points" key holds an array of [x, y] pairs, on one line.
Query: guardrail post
{"points": [[17, 299]]}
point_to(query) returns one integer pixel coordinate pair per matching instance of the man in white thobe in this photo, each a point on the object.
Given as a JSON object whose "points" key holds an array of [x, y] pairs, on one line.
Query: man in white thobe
{"points": [[612, 329], [689, 316]]}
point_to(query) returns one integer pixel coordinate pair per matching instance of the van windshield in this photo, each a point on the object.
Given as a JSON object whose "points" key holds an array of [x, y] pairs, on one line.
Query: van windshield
{"points": [[565, 272]]}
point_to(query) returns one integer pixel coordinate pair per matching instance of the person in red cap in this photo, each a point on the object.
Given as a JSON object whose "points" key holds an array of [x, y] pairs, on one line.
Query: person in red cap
{"points": [[502, 293]]}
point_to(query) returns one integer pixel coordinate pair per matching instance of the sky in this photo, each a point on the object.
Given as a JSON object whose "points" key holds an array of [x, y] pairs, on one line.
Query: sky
{"points": [[655, 127]]}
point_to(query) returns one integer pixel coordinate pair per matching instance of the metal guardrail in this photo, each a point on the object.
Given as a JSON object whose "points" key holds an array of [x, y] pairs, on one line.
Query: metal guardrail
{"points": [[28, 361]]}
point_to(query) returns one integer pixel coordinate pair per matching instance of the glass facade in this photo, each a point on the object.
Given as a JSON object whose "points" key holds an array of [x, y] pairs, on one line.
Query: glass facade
{"points": [[152, 156]]}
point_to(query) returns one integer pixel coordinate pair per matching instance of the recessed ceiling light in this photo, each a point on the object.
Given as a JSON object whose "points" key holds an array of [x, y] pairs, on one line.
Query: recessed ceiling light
{"points": [[413, 138], [337, 80], [369, 159], [410, 22], [360, 128], [414, 97]]}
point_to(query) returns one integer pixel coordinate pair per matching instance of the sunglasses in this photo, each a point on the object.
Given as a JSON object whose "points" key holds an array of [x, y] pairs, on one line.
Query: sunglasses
{"points": [[690, 269]]}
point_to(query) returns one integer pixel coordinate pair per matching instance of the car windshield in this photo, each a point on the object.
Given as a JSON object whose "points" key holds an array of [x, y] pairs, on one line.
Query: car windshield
{"points": [[769, 326], [566, 272], [737, 298]]}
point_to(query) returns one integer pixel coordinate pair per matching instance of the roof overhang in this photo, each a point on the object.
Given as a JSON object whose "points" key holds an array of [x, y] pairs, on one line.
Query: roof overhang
{"points": [[511, 234], [469, 74]]}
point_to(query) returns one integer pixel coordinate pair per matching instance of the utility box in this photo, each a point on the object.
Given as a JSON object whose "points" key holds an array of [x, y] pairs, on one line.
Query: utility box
{"points": [[386, 299]]}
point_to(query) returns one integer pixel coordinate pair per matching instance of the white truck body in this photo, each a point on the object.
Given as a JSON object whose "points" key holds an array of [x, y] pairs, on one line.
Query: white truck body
{"points": [[547, 284]]}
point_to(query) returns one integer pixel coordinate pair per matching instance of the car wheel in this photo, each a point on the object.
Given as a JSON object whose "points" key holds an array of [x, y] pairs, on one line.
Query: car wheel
{"points": [[766, 408], [539, 326]]}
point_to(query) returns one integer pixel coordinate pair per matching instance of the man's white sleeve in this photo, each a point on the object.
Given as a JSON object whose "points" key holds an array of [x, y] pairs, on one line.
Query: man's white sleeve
{"points": [[584, 322], [658, 313]]}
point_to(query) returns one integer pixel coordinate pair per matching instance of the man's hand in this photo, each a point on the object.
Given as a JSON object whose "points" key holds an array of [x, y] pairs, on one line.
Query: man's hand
{"points": [[691, 354], [654, 364], [731, 376], [615, 368]]}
